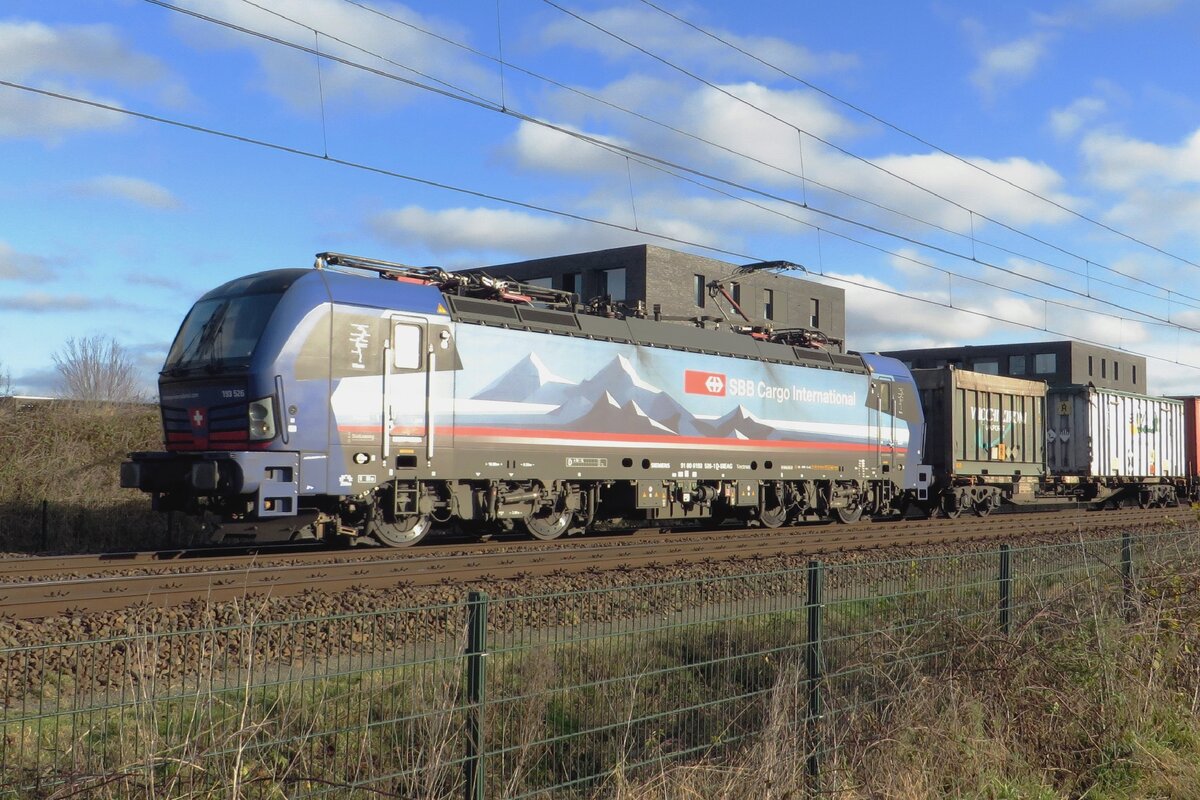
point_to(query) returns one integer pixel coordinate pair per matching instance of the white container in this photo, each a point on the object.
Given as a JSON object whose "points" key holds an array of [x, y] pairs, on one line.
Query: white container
{"points": [[1100, 433]]}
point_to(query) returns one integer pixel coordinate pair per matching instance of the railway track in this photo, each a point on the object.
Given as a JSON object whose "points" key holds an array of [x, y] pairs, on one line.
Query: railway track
{"points": [[35, 588]]}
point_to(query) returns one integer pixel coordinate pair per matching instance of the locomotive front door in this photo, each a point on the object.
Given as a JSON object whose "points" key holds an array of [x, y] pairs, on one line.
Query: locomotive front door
{"points": [[408, 363]]}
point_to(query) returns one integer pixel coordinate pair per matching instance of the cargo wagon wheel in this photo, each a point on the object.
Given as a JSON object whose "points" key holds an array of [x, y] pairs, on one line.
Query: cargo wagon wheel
{"points": [[848, 516], [983, 506], [547, 523]]}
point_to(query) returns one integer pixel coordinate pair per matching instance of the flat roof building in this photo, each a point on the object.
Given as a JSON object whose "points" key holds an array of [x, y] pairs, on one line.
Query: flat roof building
{"points": [[1058, 363], [677, 283]]}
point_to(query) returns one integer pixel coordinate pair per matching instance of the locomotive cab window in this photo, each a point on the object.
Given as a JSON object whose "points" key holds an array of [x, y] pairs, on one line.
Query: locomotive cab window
{"points": [[221, 332], [406, 346]]}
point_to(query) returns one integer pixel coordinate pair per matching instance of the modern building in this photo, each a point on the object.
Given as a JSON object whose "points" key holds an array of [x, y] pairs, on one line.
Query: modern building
{"points": [[1057, 363], [677, 283]]}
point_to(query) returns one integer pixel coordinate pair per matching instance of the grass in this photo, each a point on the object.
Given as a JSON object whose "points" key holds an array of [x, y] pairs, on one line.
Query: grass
{"points": [[68, 455], [1077, 702]]}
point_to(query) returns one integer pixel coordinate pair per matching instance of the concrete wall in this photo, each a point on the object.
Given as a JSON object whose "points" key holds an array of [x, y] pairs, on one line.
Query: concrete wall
{"points": [[657, 275], [1109, 369]]}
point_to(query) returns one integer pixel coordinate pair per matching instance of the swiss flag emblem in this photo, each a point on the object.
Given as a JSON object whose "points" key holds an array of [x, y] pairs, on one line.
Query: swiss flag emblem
{"points": [[710, 383], [196, 415]]}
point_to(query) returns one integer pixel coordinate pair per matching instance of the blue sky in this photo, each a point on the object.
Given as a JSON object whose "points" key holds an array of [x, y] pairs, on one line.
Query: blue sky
{"points": [[1088, 111]]}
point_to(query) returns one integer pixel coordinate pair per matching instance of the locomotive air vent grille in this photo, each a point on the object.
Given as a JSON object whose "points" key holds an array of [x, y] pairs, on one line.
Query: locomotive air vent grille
{"points": [[543, 317], [483, 308]]}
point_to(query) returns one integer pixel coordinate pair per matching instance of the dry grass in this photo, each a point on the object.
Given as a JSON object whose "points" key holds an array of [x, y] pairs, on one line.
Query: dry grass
{"points": [[68, 454]]}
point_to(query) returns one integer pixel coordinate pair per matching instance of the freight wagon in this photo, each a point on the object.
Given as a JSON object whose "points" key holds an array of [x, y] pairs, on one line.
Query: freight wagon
{"points": [[1116, 447], [984, 438]]}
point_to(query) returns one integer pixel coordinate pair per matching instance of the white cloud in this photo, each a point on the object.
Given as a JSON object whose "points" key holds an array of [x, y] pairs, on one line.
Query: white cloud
{"points": [[30, 49], [24, 115], [455, 232], [64, 59], [680, 44], [134, 190], [538, 147], [17, 266], [1066, 122], [1120, 163], [292, 75], [1011, 62], [956, 181], [1158, 185]]}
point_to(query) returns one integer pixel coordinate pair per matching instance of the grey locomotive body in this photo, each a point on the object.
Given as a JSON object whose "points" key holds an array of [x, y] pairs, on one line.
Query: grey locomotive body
{"points": [[313, 403]]}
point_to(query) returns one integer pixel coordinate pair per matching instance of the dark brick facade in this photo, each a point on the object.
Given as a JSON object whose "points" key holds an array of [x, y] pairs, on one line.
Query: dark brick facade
{"points": [[1073, 363], [668, 278]]}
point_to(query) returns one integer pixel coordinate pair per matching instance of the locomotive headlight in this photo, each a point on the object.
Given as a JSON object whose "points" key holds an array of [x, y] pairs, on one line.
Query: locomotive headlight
{"points": [[261, 415]]}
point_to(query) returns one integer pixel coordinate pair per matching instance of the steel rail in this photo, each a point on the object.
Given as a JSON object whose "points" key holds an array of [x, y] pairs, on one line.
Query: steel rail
{"points": [[50, 597]]}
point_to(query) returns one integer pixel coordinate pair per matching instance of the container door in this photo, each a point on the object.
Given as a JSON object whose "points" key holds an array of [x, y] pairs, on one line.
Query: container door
{"points": [[408, 430]]}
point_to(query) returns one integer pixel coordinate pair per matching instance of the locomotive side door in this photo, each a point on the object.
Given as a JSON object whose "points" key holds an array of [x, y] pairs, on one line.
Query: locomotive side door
{"points": [[881, 416], [408, 430]]}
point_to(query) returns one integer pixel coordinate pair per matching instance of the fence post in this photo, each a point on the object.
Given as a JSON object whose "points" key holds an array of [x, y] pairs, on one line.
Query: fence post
{"points": [[1005, 589], [477, 605], [1127, 576], [813, 660]]}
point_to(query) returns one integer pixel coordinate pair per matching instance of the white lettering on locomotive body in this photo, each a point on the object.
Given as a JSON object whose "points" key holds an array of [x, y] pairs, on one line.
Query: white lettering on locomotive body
{"points": [[360, 340], [747, 387]]}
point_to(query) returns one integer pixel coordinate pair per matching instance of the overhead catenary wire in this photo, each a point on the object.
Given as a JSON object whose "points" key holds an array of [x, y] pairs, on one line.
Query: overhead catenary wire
{"points": [[377, 170], [805, 179], [844, 151], [627, 151], [916, 137]]}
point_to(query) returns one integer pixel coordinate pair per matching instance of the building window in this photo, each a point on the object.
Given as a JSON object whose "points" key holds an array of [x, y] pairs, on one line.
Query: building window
{"points": [[735, 291], [1104, 368], [698, 290], [768, 304], [545, 283], [614, 284], [814, 314], [1016, 365], [990, 366], [1045, 363], [1135, 374], [1116, 371], [570, 282]]}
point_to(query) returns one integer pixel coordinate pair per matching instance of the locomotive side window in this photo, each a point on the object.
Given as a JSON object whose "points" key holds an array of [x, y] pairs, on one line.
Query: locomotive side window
{"points": [[406, 347]]}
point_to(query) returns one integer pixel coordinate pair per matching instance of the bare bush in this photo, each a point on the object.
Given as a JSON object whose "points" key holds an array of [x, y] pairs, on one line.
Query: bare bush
{"points": [[97, 368]]}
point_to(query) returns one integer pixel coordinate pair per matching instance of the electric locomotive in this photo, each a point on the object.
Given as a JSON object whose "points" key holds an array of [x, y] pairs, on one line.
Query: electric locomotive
{"points": [[370, 400]]}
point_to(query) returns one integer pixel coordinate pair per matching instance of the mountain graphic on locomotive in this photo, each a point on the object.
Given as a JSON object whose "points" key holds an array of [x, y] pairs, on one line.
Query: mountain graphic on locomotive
{"points": [[367, 400]]}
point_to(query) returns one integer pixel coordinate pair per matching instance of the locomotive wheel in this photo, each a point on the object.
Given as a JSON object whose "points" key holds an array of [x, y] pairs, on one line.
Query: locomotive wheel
{"points": [[548, 524], [772, 517], [403, 532], [982, 507], [848, 516]]}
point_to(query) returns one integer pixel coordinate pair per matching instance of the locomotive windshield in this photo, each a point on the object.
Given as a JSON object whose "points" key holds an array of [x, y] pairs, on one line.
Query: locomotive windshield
{"points": [[221, 332]]}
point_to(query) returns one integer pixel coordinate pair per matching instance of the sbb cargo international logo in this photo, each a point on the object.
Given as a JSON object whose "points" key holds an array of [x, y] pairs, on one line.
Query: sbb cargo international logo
{"points": [[709, 383]]}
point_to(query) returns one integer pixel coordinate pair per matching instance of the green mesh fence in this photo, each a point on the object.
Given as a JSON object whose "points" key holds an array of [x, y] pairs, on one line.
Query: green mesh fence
{"points": [[571, 695]]}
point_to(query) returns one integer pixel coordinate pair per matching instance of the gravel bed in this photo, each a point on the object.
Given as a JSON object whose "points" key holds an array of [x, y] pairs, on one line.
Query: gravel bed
{"points": [[193, 641]]}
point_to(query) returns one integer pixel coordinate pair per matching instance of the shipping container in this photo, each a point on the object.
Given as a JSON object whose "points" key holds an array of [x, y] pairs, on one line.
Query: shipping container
{"points": [[1191, 445], [1114, 436], [980, 425]]}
